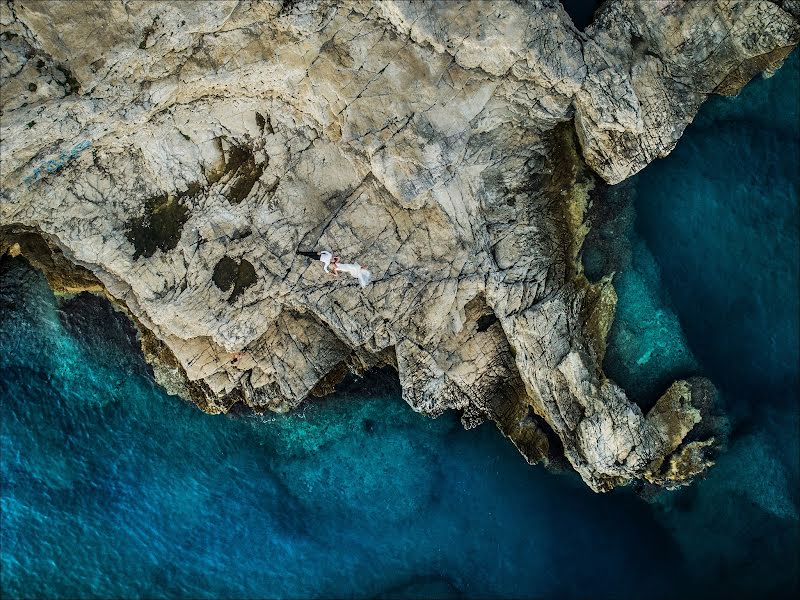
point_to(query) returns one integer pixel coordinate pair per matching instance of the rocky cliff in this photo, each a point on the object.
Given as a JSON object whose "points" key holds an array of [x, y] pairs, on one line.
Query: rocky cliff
{"points": [[179, 154]]}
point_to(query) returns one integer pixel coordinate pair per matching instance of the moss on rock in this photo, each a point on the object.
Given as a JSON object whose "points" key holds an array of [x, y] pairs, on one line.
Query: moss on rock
{"points": [[159, 227]]}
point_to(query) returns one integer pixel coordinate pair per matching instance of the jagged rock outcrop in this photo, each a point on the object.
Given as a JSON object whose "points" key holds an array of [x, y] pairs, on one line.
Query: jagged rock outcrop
{"points": [[183, 152], [652, 64]]}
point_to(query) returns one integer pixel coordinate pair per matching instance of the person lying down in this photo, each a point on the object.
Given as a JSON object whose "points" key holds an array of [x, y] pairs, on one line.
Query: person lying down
{"points": [[331, 264]]}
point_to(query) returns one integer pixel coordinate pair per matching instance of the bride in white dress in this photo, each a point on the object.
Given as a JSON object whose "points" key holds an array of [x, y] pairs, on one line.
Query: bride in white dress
{"points": [[331, 264]]}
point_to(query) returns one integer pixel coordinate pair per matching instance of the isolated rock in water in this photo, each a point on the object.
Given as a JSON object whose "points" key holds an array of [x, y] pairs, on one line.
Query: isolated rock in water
{"points": [[183, 152]]}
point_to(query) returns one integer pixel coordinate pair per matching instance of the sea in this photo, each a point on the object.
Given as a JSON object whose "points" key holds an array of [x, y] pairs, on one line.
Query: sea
{"points": [[110, 488]]}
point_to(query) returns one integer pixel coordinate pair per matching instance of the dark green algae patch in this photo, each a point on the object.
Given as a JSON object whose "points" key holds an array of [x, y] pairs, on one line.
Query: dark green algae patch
{"points": [[242, 162], [164, 215], [159, 226], [230, 274]]}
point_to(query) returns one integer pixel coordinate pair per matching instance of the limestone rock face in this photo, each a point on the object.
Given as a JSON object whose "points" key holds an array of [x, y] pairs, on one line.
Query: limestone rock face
{"points": [[651, 65], [183, 152]]}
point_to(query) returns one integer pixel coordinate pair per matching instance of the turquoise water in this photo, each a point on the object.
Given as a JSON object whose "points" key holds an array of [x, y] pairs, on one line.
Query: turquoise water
{"points": [[111, 488], [706, 250], [727, 243], [647, 347]]}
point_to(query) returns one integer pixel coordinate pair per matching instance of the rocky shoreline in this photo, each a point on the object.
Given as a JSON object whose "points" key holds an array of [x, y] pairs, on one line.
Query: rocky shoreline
{"points": [[177, 157]]}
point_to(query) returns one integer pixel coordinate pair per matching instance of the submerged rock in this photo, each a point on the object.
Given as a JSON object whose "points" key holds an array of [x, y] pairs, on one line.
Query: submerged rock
{"points": [[181, 154]]}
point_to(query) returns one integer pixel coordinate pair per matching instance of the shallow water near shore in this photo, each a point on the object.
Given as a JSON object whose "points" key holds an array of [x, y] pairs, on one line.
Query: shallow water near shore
{"points": [[111, 488]]}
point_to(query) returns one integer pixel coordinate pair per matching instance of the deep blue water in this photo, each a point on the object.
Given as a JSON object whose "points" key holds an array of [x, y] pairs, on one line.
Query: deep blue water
{"points": [[112, 488]]}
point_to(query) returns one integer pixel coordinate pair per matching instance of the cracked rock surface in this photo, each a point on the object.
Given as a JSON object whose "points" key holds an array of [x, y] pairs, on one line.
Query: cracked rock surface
{"points": [[181, 153]]}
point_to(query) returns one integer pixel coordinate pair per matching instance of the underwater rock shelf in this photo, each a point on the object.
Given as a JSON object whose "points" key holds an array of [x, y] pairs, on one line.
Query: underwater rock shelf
{"points": [[452, 147]]}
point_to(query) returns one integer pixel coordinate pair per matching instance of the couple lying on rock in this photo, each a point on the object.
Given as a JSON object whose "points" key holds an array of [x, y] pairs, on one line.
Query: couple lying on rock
{"points": [[331, 264]]}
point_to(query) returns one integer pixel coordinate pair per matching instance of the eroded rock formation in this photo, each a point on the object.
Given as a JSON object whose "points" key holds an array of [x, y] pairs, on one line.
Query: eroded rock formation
{"points": [[181, 153]]}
